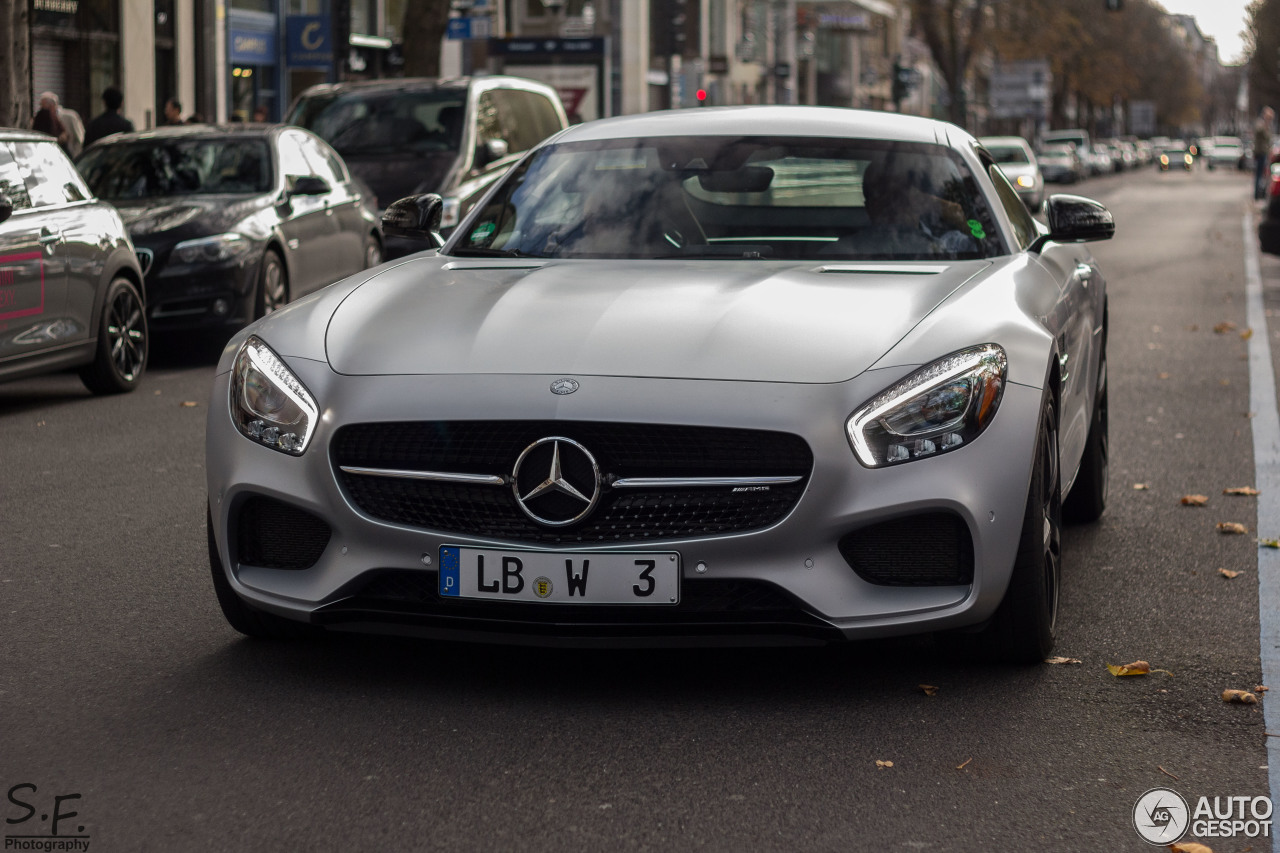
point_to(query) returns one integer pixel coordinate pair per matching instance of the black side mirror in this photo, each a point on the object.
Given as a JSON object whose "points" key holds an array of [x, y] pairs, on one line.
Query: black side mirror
{"points": [[491, 151], [6, 207], [416, 218], [1074, 219], [307, 185]]}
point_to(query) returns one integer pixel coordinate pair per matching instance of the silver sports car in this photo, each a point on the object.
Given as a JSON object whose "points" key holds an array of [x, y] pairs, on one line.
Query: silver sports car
{"points": [[756, 374]]}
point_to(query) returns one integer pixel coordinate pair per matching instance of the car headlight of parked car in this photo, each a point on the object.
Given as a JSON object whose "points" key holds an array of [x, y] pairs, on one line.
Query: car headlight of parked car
{"points": [[1026, 181], [938, 408], [212, 250], [269, 405]]}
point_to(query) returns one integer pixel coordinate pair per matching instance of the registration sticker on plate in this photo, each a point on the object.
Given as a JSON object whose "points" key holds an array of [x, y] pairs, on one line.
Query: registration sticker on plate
{"points": [[602, 577]]}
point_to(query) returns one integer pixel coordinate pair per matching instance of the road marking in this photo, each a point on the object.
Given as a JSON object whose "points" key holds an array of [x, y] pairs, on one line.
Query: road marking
{"points": [[1266, 460]]}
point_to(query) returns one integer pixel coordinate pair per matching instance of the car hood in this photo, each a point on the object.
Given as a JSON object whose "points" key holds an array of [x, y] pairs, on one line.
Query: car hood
{"points": [[739, 320], [187, 216]]}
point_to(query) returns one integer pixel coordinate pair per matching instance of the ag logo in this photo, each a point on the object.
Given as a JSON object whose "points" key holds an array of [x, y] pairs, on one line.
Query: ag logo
{"points": [[1161, 816], [542, 587]]}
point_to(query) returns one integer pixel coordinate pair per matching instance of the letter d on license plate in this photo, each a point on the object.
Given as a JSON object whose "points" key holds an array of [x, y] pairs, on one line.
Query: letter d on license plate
{"points": [[601, 577]]}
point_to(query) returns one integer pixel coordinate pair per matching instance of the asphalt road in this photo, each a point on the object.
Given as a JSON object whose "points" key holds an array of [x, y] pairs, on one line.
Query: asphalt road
{"points": [[121, 684]]}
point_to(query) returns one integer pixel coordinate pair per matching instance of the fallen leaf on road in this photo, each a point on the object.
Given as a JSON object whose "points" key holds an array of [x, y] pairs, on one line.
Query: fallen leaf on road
{"points": [[1162, 376], [1059, 660], [1138, 667], [883, 764], [1231, 527], [1269, 543], [1140, 487], [1189, 847], [1194, 500], [1223, 328], [963, 764], [1227, 573], [1248, 491], [1246, 334], [929, 689], [189, 404], [1167, 773], [1261, 688], [1242, 697]]}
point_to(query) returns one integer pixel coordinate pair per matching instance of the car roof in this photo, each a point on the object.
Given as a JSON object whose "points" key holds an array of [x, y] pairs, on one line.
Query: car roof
{"points": [[425, 84], [198, 131], [15, 133], [1004, 142], [767, 121]]}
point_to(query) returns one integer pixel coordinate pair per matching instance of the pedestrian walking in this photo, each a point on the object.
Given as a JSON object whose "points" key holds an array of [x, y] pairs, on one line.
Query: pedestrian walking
{"points": [[173, 111], [1262, 151], [109, 121], [46, 118]]}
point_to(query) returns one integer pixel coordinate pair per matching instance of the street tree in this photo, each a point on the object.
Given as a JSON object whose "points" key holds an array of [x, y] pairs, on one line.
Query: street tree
{"points": [[424, 27], [15, 63], [953, 31], [1262, 45]]}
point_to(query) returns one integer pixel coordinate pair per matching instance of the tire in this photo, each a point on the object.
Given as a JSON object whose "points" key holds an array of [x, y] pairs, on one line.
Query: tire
{"points": [[248, 620], [372, 252], [120, 356], [273, 286], [1022, 629], [1088, 497]]}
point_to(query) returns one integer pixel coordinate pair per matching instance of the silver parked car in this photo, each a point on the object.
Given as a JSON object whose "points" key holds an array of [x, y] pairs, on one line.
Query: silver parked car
{"points": [[1020, 166], [758, 374]]}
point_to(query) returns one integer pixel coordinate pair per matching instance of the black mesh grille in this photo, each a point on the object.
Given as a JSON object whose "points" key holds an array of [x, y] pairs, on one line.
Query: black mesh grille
{"points": [[275, 535], [704, 602], [622, 450], [933, 549]]}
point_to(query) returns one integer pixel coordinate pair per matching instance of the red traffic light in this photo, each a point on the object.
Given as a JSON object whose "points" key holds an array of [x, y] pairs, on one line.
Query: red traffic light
{"points": [[701, 95]]}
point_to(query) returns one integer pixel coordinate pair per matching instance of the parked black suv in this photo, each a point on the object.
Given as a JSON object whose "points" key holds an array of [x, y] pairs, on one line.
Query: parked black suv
{"points": [[452, 136]]}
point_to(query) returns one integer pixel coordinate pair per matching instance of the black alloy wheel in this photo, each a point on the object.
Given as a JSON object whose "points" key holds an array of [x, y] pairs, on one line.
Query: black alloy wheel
{"points": [[273, 286], [123, 343]]}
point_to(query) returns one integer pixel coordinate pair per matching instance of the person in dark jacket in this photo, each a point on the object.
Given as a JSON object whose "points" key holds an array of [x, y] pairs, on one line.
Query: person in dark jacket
{"points": [[110, 121], [46, 119]]}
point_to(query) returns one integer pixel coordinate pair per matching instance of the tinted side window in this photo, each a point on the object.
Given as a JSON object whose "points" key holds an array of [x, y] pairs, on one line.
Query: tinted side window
{"points": [[1024, 227], [50, 177], [320, 164], [11, 182], [520, 120], [488, 119]]}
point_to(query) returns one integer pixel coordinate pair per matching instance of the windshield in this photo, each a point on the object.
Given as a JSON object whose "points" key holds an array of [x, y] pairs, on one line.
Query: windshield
{"points": [[166, 167], [1008, 154], [736, 198], [368, 123]]}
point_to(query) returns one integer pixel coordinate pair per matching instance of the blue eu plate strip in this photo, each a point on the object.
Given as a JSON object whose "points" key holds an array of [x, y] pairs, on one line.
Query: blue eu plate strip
{"points": [[449, 571]]}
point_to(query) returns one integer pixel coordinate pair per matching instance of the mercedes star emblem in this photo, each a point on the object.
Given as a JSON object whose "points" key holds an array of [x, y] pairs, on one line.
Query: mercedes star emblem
{"points": [[556, 481], [564, 386]]}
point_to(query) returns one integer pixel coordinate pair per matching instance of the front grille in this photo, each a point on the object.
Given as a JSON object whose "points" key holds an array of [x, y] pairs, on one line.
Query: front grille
{"points": [[931, 549], [275, 535], [707, 605], [622, 451]]}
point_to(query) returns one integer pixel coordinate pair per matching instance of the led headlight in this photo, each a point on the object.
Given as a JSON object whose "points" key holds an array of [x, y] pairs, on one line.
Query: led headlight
{"points": [[212, 250], [1026, 181], [268, 403], [940, 407]]}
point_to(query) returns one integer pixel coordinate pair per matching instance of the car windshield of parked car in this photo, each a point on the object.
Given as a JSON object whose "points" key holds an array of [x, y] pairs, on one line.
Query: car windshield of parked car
{"points": [[1006, 154], [736, 198], [382, 122], [176, 166]]}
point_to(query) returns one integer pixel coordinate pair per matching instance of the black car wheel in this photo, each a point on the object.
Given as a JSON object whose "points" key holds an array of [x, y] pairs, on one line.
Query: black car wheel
{"points": [[1022, 629], [121, 354], [248, 620], [1088, 496], [273, 286], [372, 252]]}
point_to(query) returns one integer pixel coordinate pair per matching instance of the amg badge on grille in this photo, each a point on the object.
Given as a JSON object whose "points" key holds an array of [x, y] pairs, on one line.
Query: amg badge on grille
{"points": [[564, 386]]}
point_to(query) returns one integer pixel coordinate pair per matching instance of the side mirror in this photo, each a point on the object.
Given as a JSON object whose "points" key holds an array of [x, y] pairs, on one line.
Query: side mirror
{"points": [[307, 185], [1074, 219], [415, 218], [491, 150], [6, 207]]}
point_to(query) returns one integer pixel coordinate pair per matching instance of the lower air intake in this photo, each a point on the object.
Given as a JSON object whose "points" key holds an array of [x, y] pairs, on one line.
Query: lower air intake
{"points": [[933, 549], [274, 535]]}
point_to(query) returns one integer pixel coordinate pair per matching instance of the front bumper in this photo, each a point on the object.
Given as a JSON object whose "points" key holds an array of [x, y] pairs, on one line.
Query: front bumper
{"points": [[192, 296], [787, 582]]}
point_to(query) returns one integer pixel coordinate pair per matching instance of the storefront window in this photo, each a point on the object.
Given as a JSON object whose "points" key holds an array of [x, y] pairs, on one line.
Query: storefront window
{"points": [[254, 5]]}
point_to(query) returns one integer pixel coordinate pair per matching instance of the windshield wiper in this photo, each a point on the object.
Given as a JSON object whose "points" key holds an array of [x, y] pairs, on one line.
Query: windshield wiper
{"points": [[477, 252]]}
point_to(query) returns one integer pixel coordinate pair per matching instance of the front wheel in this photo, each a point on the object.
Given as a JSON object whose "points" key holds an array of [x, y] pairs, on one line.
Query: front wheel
{"points": [[121, 353], [1023, 626], [372, 252], [273, 286]]}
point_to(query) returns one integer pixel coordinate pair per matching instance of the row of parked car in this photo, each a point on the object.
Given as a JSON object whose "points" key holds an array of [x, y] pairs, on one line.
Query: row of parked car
{"points": [[204, 226]]}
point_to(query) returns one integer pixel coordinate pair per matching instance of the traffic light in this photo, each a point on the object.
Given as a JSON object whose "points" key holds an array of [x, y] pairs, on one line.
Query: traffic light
{"points": [[701, 95], [901, 84]]}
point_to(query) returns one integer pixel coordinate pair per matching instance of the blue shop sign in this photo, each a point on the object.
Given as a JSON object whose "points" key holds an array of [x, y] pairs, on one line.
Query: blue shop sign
{"points": [[308, 41], [251, 47]]}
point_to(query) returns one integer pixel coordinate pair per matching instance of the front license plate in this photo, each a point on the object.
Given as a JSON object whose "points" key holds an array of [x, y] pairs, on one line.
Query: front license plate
{"points": [[603, 577]]}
